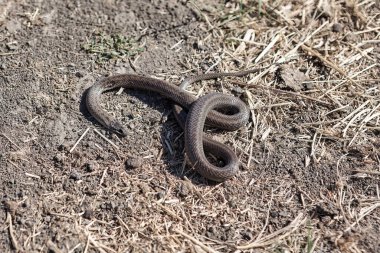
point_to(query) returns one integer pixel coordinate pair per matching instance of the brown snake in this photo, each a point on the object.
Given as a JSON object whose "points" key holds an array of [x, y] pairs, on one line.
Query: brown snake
{"points": [[200, 111]]}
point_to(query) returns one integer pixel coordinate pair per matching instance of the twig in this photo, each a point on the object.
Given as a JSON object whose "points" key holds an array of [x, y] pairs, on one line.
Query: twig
{"points": [[250, 152], [106, 139], [123, 223], [32, 175], [52, 247], [75, 247], [11, 232], [281, 91], [199, 11], [366, 212], [276, 236], [340, 80], [283, 59], [103, 176], [370, 172], [320, 122], [304, 193], [267, 218], [352, 76], [169, 212], [99, 246], [10, 53], [87, 244], [329, 63], [314, 244], [200, 244], [6, 137], [80, 138], [270, 45]]}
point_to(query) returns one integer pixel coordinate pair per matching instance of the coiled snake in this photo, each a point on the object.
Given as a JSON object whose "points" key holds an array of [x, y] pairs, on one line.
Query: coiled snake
{"points": [[199, 112]]}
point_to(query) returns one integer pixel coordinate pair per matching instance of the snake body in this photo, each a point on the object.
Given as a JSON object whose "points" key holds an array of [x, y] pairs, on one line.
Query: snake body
{"points": [[191, 114]]}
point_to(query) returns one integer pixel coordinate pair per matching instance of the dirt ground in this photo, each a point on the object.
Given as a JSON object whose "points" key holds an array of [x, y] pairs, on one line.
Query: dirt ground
{"points": [[309, 180]]}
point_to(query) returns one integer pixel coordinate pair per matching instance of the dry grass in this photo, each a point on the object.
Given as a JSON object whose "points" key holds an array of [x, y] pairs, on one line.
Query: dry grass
{"points": [[342, 88], [294, 35]]}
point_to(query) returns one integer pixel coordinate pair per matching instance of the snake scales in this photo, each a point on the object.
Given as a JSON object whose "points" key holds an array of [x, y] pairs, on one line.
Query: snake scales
{"points": [[191, 113]]}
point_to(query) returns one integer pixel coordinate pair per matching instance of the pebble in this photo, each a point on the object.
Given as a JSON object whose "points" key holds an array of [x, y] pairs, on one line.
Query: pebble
{"points": [[75, 175], [79, 74], [237, 90], [160, 195], [10, 206], [184, 189], [88, 214], [91, 166], [13, 26], [133, 163], [351, 37], [337, 27], [59, 158]]}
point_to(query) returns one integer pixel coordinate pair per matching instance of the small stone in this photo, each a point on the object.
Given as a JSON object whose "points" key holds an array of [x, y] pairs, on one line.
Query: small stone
{"points": [[273, 214], [88, 213], [103, 156], [246, 235], [91, 166], [26, 203], [232, 203], [79, 74], [237, 90], [32, 42], [351, 37], [127, 113], [144, 189], [20, 220], [200, 45], [284, 214], [41, 109], [10, 206], [13, 46], [325, 219], [91, 145], [125, 18], [337, 27], [13, 26], [309, 86], [59, 158], [160, 195], [48, 17], [47, 219], [29, 223], [21, 194], [164, 119], [75, 175], [133, 163], [91, 192], [184, 189], [65, 146], [211, 231]]}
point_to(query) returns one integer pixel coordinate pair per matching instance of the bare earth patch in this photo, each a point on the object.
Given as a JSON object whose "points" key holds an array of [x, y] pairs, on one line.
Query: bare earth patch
{"points": [[310, 172]]}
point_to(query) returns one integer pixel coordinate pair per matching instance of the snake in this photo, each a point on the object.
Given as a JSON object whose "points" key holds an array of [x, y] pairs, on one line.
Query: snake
{"points": [[214, 109]]}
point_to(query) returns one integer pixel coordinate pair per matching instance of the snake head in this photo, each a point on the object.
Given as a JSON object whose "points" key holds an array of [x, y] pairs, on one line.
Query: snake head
{"points": [[118, 128]]}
